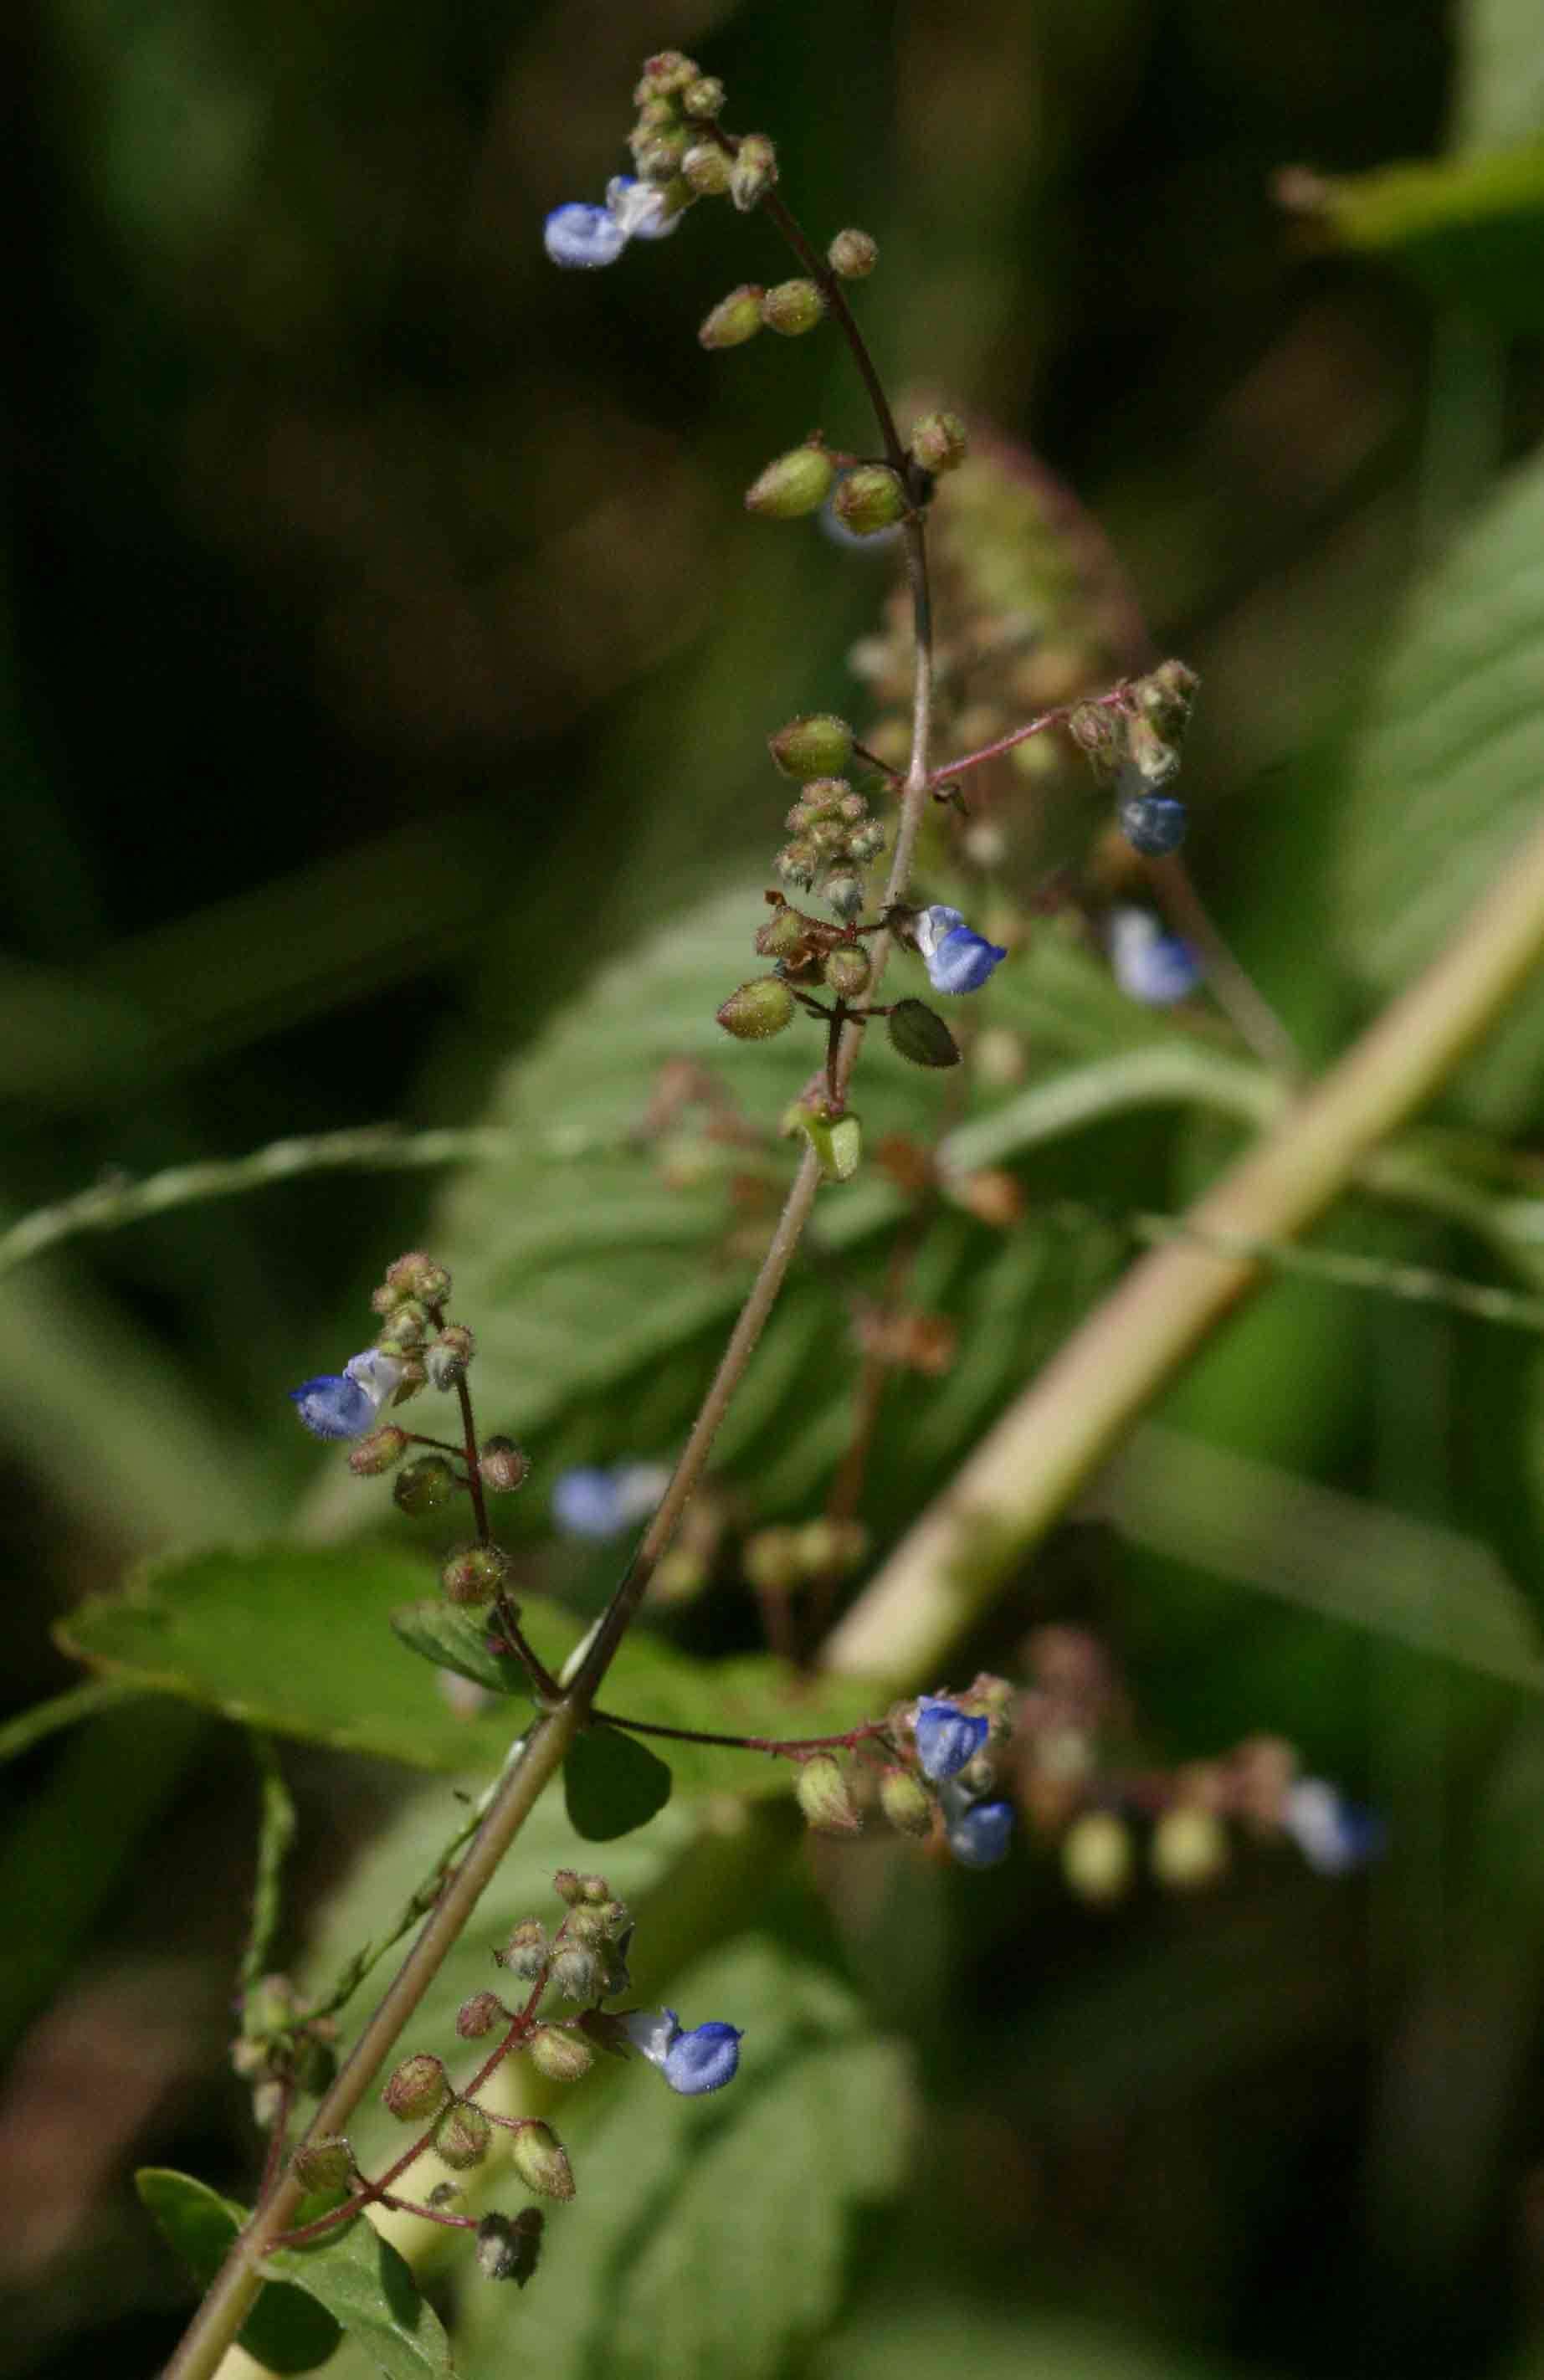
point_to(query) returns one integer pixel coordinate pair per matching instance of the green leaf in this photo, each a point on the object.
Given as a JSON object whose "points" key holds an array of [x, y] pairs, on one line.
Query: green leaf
{"points": [[919, 1035], [1446, 776], [1500, 98], [287, 2329], [298, 1639], [715, 2235], [612, 1784], [452, 1639], [369, 2290], [958, 2335], [1468, 228]]}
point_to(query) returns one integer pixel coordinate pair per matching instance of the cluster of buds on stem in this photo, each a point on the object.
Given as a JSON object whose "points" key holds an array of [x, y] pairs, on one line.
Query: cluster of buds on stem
{"points": [[1133, 740], [934, 1768]]}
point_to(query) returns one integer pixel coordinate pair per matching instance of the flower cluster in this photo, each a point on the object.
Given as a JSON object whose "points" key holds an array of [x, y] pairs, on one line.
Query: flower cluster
{"points": [[1133, 740], [939, 1775]]}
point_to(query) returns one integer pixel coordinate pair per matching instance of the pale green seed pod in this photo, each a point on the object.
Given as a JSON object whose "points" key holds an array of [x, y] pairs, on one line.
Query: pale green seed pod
{"points": [[793, 307], [795, 483], [561, 2056], [853, 255], [760, 1009]]}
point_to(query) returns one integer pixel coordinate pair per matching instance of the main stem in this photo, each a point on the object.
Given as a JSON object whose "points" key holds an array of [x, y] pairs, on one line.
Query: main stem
{"points": [[537, 1760]]}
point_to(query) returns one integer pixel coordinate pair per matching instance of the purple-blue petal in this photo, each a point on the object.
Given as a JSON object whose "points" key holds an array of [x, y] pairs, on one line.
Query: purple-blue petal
{"points": [[980, 1838], [963, 960], [586, 1502], [947, 1738], [332, 1406], [583, 237], [704, 2060]]}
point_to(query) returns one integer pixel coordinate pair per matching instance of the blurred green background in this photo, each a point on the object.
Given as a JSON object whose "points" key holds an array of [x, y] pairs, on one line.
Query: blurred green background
{"points": [[385, 649]]}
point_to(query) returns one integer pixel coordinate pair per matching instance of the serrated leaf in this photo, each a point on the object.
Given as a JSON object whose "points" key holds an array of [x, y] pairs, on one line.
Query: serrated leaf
{"points": [[298, 1639], [287, 2329], [612, 1784], [1467, 228], [715, 2233], [452, 1639], [369, 2291], [1446, 776]]}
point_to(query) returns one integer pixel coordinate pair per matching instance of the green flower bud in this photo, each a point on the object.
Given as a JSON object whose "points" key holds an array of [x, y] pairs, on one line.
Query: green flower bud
{"points": [[568, 1884], [758, 1010], [795, 863], [1166, 696], [703, 99], [561, 2056], [825, 1797], [379, 1452], [919, 1033], [797, 483], [416, 1275], [426, 1486], [503, 1466], [525, 1953], [1158, 760], [1100, 732], [595, 1890], [585, 1925], [463, 2135], [474, 1573], [660, 156], [479, 2015], [541, 2161], [735, 318], [869, 498], [707, 167], [416, 2089], [844, 892], [407, 1326], [754, 172], [1096, 1857], [446, 1358], [867, 842], [574, 1972], [847, 970], [827, 837], [665, 74], [1189, 1847], [324, 2166], [816, 745], [853, 255], [784, 932], [906, 1801], [793, 307], [939, 441]]}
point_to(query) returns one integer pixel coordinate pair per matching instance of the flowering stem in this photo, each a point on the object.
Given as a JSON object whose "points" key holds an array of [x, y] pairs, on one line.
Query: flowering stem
{"points": [[1113, 700], [791, 1747], [835, 297]]}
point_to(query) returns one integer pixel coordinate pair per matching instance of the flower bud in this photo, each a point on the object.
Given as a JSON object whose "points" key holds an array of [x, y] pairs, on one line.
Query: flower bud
{"points": [[446, 1357], [1096, 1857], [426, 1486], [938, 442], [479, 2015], [416, 2089], [869, 499], [785, 933], [758, 1010], [406, 1328], [541, 2161], [703, 99], [324, 2165], [866, 842], [474, 1574], [825, 1797], [755, 171], [416, 1275], [797, 483], [707, 167], [379, 1452], [793, 307], [462, 2135], [574, 1972], [595, 1890], [525, 1953], [585, 1925], [659, 156], [853, 255], [1157, 760], [847, 970], [1100, 732], [797, 863], [503, 1466], [664, 75], [844, 892], [568, 1884], [1165, 698], [1189, 1847], [906, 1801], [561, 2056], [815, 745], [735, 318], [919, 1034]]}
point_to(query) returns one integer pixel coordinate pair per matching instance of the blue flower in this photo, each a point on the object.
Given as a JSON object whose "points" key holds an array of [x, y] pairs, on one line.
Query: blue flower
{"points": [[979, 1835], [947, 1738], [704, 2060], [957, 959], [1150, 965], [1333, 1835], [590, 1502], [585, 237], [344, 1404], [1152, 823]]}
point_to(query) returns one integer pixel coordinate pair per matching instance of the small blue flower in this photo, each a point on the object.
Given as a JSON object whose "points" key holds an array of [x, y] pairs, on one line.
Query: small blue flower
{"points": [[1149, 964], [947, 1738], [1152, 823], [589, 1501], [344, 1404], [704, 2060], [957, 959], [585, 238], [643, 211], [1334, 1834], [981, 1836]]}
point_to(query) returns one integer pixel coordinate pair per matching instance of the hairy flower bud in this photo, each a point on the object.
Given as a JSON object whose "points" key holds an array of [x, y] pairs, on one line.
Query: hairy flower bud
{"points": [[406, 1328], [1157, 759], [797, 863], [479, 2015], [754, 172], [906, 1801], [426, 1486], [503, 1466], [416, 1275], [853, 255], [869, 499], [844, 892], [847, 970], [379, 1452], [825, 1797], [568, 1884], [541, 2161], [416, 2089], [938, 442], [446, 1357], [1099, 731], [574, 1972], [664, 74], [735, 318], [708, 168], [816, 745], [525, 1954], [797, 483], [561, 2056], [793, 307], [474, 1574], [758, 1010], [463, 2135], [1165, 698], [703, 99], [324, 2165]]}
